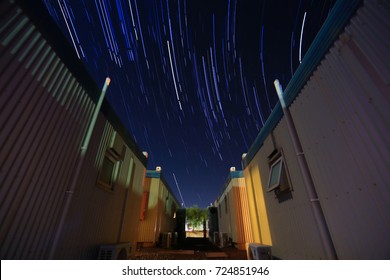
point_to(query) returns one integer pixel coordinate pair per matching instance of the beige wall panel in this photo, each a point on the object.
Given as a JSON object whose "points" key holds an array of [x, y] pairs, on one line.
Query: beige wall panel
{"points": [[348, 97], [285, 225]]}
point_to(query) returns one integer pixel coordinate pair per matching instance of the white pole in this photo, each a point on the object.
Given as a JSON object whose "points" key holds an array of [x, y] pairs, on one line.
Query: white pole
{"points": [[72, 186], [308, 180]]}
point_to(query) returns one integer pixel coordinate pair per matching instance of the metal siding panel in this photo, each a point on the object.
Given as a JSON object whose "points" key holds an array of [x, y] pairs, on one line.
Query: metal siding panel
{"points": [[238, 234], [15, 30], [157, 220], [57, 78], [236, 221], [11, 15], [12, 83], [52, 163], [349, 158], [63, 159], [247, 229], [131, 226], [291, 223], [53, 69], [61, 87], [371, 30], [44, 128], [13, 162], [148, 225]]}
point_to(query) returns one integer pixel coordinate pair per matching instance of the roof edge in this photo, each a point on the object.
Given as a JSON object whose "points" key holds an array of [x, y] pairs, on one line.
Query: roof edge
{"points": [[335, 23], [158, 175]]}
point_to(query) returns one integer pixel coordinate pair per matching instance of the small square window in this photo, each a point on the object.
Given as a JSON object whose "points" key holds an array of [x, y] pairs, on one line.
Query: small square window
{"points": [[107, 175], [107, 171], [278, 174], [275, 174]]}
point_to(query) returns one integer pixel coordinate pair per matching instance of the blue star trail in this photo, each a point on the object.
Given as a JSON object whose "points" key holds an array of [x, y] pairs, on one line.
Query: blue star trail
{"points": [[192, 80]]}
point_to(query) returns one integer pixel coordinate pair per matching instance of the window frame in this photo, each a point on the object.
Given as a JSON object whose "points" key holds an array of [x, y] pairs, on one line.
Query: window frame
{"points": [[279, 175], [284, 183], [114, 173]]}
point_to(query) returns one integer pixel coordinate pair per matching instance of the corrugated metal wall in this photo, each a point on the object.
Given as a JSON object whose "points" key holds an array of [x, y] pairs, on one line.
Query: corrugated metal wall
{"points": [[243, 222], [347, 136], [236, 220], [148, 227], [342, 118], [225, 219], [257, 209], [290, 224], [44, 114], [99, 216], [158, 216]]}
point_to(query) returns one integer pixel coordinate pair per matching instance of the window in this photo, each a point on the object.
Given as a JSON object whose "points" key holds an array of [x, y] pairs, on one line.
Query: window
{"points": [[108, 172], [275, 174], [278, 176], [106, 175]]}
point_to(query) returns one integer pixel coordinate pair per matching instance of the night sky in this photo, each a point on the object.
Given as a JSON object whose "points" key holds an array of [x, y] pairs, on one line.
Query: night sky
{"points": [[192, 80]]}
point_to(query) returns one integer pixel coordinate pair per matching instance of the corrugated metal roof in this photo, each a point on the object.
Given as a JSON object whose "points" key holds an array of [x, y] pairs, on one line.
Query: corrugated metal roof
{"points": [[338, 18]]}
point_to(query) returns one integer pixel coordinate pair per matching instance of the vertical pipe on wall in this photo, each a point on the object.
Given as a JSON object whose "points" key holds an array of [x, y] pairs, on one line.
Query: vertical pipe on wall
{"points": [[72, 187], [308, 180]]}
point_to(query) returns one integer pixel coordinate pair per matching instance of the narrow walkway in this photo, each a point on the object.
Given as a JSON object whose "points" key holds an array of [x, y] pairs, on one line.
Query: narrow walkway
{"points": [[191, 249]]}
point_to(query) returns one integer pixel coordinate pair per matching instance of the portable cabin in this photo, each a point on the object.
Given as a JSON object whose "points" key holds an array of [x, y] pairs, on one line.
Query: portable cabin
{"points": [[337, 204], [70, 187], [158, 211]]}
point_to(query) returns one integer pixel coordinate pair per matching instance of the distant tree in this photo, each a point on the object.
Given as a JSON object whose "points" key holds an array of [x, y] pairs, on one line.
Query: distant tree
{"points": [[195, 216]]}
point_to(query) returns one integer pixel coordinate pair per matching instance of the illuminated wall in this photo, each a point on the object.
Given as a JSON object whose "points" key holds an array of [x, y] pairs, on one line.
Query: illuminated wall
{"points": [[256, 204], [233, 210], [47, 99], [159, 211], [339, 102]]}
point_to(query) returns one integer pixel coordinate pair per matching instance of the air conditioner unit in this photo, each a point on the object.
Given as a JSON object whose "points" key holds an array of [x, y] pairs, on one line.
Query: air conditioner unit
{"points": [[166, 240], [119, 251], [259, 252], [223, 238]]}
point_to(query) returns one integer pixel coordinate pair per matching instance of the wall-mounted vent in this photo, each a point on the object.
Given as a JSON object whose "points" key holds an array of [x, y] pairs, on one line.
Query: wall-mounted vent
{"points": [[116, 144]]}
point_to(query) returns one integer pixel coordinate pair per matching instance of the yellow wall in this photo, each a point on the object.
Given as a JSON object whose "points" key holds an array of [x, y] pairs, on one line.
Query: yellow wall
{"points": [[158, 216], [257, 208]]}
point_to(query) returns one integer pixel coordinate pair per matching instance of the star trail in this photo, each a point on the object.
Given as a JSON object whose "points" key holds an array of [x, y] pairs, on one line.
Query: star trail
{"points": [[191, 80]]}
